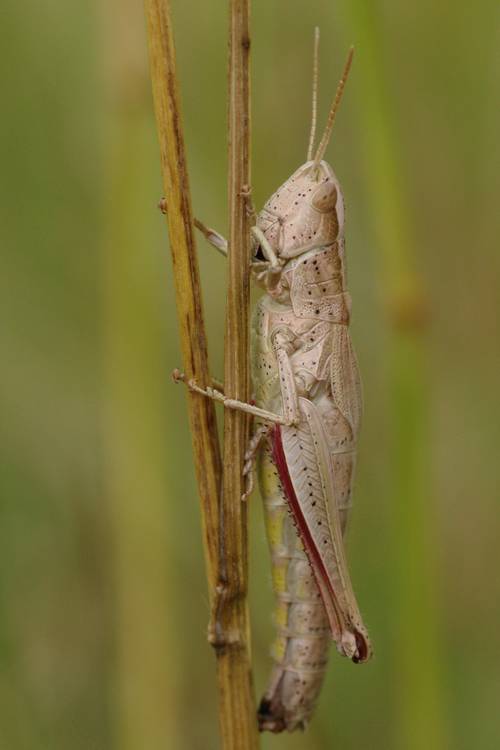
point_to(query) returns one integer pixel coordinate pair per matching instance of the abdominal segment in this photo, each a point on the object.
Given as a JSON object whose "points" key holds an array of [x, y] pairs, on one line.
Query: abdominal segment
{"points": [[303, 637]]}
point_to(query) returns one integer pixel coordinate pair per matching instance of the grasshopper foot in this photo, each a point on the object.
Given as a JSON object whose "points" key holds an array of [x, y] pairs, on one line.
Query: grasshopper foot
{"points": [[178, 376], [246, 193]]}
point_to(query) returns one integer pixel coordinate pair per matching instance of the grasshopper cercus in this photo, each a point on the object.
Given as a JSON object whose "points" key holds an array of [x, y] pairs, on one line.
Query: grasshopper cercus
{"points": [[308, 407]]}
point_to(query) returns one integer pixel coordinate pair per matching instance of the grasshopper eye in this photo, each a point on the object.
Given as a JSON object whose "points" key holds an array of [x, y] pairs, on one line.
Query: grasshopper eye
{"points": [[325, 197]]}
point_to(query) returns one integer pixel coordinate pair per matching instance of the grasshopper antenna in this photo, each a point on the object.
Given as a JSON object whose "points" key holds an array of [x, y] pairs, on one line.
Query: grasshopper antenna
{"points": [[333, 111], [312, 134]]}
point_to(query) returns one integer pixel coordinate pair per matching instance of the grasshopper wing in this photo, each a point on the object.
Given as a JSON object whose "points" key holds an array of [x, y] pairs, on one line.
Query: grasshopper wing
{"points": [[307, 467]]}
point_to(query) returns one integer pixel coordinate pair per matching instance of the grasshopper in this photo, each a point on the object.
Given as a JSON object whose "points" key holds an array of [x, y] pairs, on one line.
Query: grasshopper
{"points": [[308, 408]]}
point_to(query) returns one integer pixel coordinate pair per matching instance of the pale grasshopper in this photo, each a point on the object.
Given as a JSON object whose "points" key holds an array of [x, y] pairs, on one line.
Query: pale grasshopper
{"points": [[308, 411]]}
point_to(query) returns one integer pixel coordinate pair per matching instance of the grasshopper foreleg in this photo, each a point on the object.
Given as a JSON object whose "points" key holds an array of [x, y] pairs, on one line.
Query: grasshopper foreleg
{"points": [[215, 239], [266, 247]]}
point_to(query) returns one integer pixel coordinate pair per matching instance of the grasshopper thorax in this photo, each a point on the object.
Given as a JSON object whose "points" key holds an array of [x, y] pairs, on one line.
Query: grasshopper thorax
{"points": [[306, 212]]}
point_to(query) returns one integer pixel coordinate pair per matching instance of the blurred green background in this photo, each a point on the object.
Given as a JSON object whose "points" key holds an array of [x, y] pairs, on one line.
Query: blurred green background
{"points": [[103, 603]]}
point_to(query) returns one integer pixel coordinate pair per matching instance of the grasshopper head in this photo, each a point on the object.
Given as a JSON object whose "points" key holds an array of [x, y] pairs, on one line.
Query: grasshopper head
{"points": [[306, 212]]}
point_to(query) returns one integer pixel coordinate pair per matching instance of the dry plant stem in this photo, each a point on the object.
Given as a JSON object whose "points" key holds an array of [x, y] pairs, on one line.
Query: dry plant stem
{"points": [[238, 716], [187, 281], [231, 633], [225, 528]]}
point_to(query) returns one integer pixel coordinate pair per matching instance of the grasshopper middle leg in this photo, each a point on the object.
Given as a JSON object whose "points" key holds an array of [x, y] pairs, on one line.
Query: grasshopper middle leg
{"points": [[231, 403]]}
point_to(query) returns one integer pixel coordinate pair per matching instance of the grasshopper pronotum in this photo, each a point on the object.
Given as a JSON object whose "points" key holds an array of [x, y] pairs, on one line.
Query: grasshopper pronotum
{"points": [[308, 405]]}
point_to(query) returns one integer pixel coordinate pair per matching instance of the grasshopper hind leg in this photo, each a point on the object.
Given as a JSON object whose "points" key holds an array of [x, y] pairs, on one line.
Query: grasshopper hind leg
{"points": [[302, 642]]}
